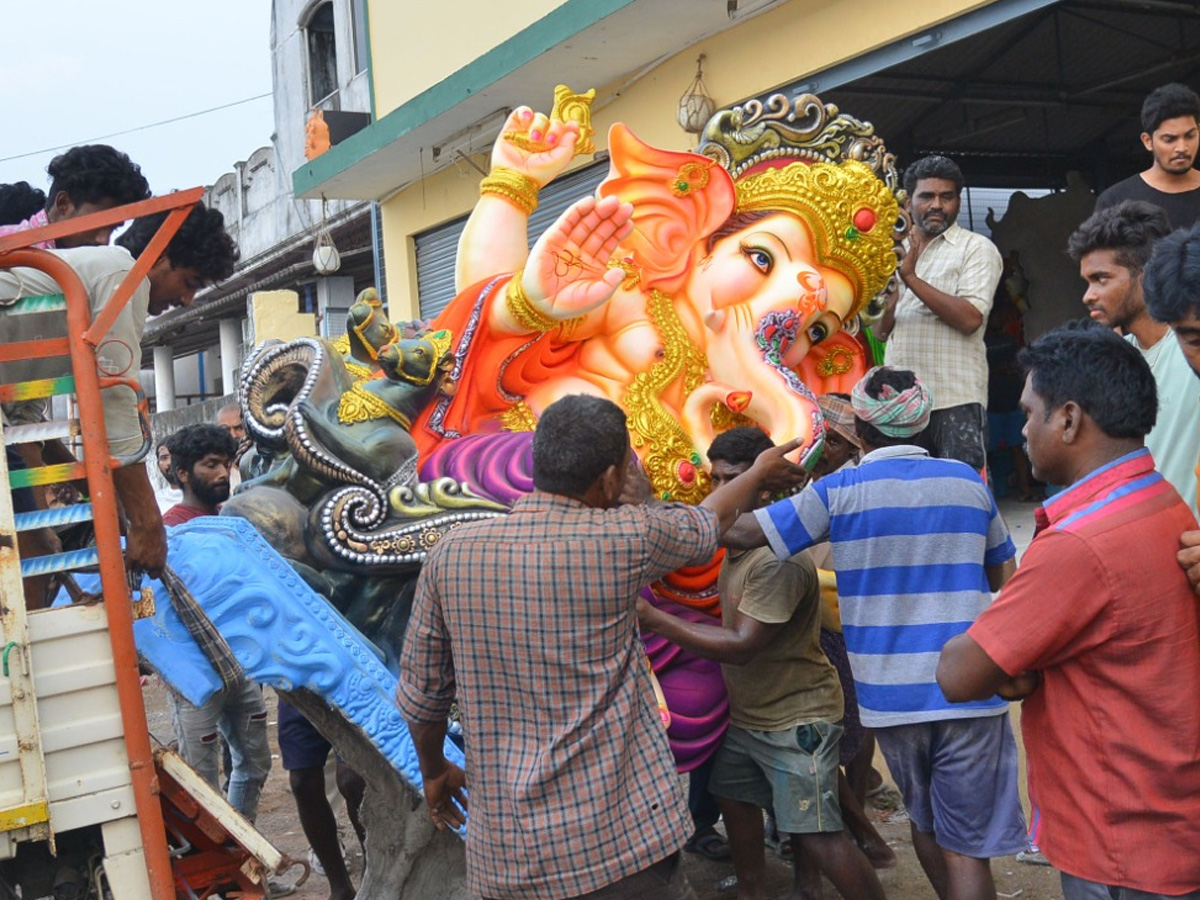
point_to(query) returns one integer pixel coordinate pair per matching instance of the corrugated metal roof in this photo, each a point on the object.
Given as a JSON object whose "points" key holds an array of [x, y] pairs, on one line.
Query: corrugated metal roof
{"points": [[1052, 90]]}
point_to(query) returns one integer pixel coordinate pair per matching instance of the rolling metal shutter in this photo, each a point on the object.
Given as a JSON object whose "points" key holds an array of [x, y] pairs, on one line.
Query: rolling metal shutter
{"points": [[435, 266], [436, 248]]}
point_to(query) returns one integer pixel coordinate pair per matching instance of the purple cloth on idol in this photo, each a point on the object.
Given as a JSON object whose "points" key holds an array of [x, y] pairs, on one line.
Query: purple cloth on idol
{"points": [[694, 688], [496, 466]]}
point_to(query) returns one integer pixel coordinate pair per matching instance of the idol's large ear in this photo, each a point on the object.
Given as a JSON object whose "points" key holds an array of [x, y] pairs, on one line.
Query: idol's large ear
{"points": [[678, 199]]}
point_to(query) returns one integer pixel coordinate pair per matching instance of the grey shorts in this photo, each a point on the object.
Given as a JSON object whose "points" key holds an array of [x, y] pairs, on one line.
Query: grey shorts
{"points": [[960, 432], [1079, 889], [958, 778], [793, 772]]}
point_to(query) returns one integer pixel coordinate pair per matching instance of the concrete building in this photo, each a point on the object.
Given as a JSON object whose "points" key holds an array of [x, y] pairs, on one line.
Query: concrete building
{"points": [[319, 61], [1019, 91]]}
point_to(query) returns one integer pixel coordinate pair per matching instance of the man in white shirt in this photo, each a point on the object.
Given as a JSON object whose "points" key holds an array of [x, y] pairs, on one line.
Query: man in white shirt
{"points": [[934, 324], [1112, 248], [200, 253], [1171, 283]]}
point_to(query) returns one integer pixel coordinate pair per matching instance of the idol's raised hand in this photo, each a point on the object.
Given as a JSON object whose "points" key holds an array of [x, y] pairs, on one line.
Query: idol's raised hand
{"points": [[567, 274], [533, 145]]}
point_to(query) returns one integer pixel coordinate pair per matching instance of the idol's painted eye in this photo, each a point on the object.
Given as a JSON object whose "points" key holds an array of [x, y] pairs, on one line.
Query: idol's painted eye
{"points": [[817, 332], [759, 257]]}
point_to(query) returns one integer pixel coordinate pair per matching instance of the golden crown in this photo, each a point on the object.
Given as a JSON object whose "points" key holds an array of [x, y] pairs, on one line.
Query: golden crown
{"points": [[850, 212], [832, 170]]}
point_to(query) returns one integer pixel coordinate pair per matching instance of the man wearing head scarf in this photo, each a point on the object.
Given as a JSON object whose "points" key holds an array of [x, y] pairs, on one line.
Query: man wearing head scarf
{"points": [[841, 441], [918, 546]]}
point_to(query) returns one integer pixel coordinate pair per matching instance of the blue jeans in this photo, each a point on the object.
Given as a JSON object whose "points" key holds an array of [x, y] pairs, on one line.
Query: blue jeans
{"points": [[1080, 889], [240, 716]]}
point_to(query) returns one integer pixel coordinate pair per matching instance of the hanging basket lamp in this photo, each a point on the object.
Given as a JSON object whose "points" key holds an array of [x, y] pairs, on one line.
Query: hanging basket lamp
{"points": [[326, 259], [696, 107]]}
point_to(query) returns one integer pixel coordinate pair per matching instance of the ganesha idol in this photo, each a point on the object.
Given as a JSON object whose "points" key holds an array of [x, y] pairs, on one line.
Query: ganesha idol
{"points": [[699, 291]]}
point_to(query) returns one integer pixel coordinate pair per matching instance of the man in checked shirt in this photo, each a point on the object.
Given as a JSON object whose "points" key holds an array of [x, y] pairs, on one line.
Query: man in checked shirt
{"points": [[934, 323], [528, 621]]}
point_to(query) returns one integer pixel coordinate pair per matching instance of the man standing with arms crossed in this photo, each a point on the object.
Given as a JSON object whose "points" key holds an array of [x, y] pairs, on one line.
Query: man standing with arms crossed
{"points": [[1098, 632], [934, 325]]}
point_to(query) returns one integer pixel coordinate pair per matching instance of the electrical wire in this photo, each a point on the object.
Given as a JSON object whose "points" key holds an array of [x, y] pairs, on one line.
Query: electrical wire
{"points": [[113, 134]]}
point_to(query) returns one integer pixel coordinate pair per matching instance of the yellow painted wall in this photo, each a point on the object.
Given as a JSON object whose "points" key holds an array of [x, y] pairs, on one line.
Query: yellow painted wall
{"points": [[274, 315], [447, 195], [416, 45], [786, 44], [782, 46]]}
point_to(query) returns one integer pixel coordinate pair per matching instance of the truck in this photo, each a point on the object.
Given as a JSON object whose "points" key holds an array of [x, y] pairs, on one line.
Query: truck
{"points": [[88, 808]]}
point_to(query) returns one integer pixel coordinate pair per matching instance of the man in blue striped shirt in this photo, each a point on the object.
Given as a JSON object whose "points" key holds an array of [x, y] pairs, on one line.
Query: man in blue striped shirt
{"points": [[918, 546]]}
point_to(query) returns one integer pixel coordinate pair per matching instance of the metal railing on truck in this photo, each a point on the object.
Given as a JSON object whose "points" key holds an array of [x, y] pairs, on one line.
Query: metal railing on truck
{"points": [[83, 336]]}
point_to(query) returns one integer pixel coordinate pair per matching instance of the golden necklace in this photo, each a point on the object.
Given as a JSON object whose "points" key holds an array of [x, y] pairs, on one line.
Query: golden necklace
{"points": [[669, 456], [360, 405]]}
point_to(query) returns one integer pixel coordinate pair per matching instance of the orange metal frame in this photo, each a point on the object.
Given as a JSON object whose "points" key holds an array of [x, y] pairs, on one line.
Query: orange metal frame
{"points": [[215, 863], [83, 336]]}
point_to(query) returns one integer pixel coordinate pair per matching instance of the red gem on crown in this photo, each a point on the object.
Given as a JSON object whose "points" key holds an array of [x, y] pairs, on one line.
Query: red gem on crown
{"points": [[864, 219]]}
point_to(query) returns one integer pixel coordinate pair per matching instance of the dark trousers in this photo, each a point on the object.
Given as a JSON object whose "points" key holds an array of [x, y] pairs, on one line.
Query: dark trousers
{"points": [[959, 432], [701, 804]]}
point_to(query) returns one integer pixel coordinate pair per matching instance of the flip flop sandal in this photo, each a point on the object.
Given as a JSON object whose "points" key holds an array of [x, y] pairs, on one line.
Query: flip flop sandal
{"points": [[710, 846]]}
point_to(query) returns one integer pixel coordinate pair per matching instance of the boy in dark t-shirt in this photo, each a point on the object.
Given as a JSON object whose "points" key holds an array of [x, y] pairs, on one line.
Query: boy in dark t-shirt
{"points": [[1171, 132]]}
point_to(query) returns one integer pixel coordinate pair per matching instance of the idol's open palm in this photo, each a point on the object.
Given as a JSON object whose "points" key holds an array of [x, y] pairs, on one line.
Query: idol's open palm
{"points": [[567, 274]]}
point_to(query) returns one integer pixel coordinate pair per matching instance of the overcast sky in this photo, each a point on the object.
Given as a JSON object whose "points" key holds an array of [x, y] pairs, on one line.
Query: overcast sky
{"points": [[73, 70]]}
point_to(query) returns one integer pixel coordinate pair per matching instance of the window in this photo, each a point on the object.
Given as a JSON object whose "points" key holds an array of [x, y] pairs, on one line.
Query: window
{"points": [[362, 46], [322, 54]]}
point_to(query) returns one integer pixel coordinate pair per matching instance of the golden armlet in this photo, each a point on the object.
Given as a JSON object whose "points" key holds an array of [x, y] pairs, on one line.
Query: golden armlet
{"points": [[519, 190]]}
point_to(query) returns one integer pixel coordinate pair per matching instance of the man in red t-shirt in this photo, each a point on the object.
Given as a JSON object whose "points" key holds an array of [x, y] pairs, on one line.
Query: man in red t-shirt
{"points": [[201, 457], [1098, 632]]}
